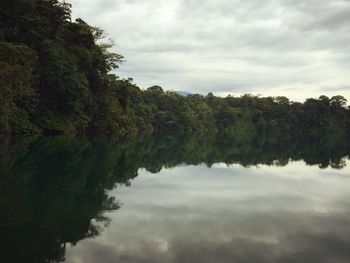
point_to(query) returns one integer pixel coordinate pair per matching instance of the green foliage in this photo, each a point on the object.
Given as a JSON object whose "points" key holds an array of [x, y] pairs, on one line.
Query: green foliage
{"points": [[70, 70], [18, 96]]}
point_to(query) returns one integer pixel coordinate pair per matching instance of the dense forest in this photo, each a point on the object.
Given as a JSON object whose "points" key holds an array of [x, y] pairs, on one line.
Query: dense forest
{"points": [[57, 77]]}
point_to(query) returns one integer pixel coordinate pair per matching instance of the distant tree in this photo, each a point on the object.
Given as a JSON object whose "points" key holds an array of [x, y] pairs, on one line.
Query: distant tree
{"points": [[282, 100], [325, 99], [155, 89], [338, 101]]}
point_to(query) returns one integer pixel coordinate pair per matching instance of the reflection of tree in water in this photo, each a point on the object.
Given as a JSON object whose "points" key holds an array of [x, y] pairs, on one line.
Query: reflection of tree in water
{"points": [[154, 154], [53, 191]]}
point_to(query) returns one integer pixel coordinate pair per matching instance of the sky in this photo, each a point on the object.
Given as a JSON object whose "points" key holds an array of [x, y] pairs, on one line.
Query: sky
{"points": [[298, 49]]}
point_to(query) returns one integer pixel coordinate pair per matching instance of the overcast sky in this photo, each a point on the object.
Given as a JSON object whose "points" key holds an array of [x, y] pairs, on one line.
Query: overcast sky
{"points": [[293, 48]]}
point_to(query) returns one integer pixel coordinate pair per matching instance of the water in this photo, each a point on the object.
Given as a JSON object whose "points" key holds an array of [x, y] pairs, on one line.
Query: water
{"points": [[195, 199]]}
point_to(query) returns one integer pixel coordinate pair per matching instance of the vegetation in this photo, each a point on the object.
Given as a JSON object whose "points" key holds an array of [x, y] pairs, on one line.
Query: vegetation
{"points": [[55, 78]]}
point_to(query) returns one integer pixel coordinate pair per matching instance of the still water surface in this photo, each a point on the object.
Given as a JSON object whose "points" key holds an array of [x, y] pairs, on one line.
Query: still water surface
{"points": [[103, 201], [227, 214]]}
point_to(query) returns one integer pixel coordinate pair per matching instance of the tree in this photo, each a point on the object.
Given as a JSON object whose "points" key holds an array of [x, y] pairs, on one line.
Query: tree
{"points": [[338, 101], [17, 88], [326, 100]]}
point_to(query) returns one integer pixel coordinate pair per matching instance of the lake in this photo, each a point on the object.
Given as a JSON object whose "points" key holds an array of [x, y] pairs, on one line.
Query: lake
{"points": [[175, 199]]}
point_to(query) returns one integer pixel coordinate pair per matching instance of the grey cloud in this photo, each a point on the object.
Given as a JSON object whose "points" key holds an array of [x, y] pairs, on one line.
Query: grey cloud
{"points": [[337, 20], [177, 42], [337, 89]]}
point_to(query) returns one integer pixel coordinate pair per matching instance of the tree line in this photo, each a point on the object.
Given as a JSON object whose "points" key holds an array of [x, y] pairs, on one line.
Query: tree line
{"points": [[56, 77]]}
